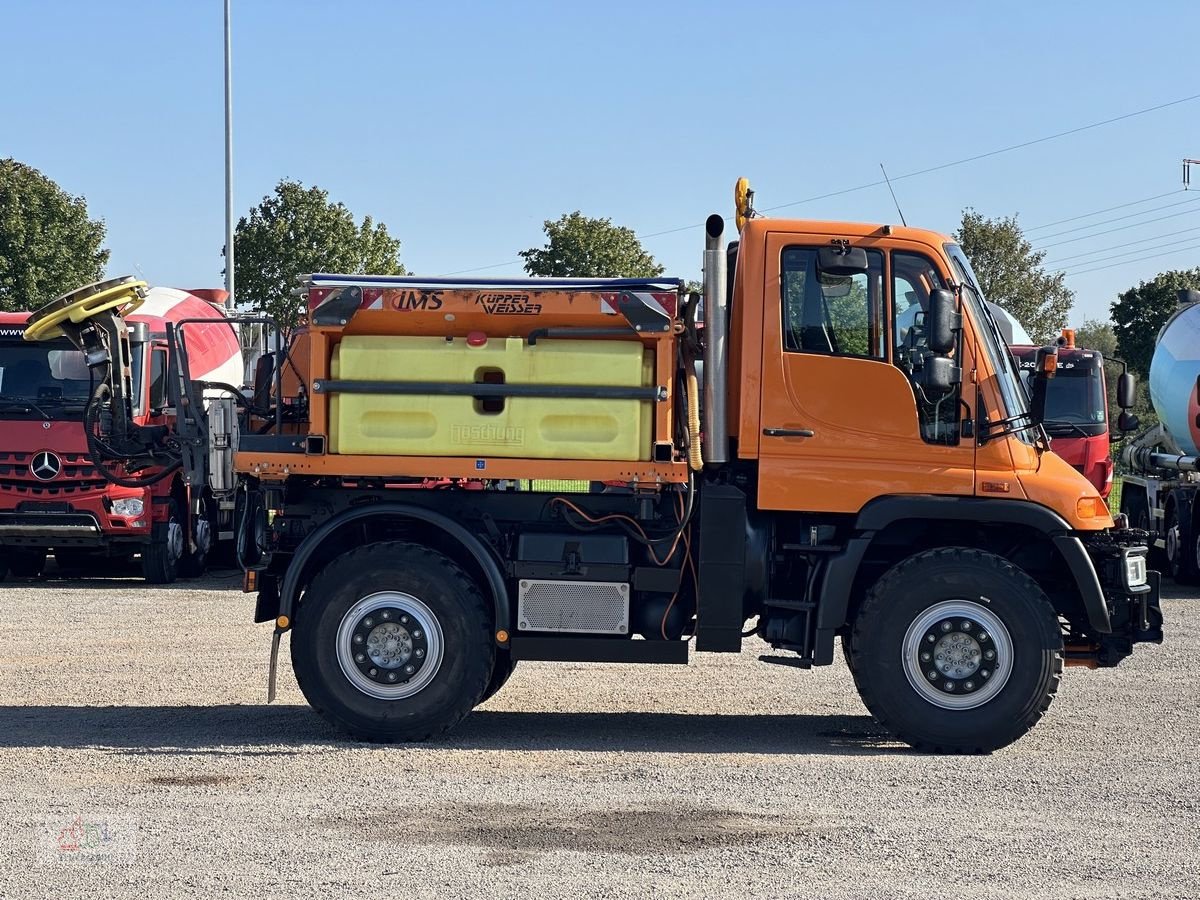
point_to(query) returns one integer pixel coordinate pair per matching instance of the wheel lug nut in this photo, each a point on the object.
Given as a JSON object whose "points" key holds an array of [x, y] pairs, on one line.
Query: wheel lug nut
{"points": [[373, 672], [966, 626], [410, 669], [368, 622], [417, 633], [946, 626], [358, 639], [419, 653], [404, 619], [360, 658], [933, 676], [925, 657], [969, 685], [385, 614]]}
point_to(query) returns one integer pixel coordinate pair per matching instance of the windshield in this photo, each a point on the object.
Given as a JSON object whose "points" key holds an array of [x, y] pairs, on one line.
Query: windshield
{"points": [[1075, 400], [49, 379], [1007, 379]]}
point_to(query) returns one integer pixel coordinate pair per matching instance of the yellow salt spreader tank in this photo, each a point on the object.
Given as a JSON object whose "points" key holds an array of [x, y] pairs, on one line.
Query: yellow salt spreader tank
{"points": [[435, 377]]}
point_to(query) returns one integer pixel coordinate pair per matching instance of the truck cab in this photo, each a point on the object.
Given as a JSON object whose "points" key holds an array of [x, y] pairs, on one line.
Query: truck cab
{"points": [[1076, 417], [54, 497]]}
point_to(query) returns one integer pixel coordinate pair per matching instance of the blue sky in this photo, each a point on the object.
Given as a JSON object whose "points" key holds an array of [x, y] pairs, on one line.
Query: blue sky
{"points": [[464, 126]]}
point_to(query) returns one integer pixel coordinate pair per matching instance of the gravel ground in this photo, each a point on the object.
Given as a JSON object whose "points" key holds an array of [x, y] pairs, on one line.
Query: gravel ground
{"points": [[142, 711]]}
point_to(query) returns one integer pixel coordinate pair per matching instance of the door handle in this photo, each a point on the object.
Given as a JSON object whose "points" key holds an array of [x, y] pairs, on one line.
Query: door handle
{"points": [[788, 432]]}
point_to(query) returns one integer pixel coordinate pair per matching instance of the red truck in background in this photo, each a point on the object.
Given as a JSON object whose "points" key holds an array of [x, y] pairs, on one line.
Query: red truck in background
{"points": [[54, 499], [1076, 408]]}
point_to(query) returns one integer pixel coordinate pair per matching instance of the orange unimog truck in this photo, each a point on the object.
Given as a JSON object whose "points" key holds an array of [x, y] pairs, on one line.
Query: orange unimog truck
{"points": [[846, 467]]}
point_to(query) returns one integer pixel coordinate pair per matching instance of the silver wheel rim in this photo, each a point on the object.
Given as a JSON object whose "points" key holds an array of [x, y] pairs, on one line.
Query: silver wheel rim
{"points": [[957, 654], [174, 541], [390, 645]]}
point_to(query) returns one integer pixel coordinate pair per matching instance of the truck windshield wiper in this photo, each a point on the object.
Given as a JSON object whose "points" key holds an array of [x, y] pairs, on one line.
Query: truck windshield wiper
{"points": [[28, 405], [1061, 428]]}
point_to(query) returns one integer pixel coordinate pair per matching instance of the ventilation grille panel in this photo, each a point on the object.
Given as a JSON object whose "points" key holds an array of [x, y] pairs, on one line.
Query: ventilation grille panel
{"points": [[576, 607]]}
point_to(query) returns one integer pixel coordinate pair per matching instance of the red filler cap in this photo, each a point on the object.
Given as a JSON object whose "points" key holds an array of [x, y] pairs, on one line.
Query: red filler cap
{"points": [[476, 339]]}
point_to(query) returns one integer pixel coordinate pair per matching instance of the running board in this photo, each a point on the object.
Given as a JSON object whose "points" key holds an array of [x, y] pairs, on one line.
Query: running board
{"points": [[587, 649]]}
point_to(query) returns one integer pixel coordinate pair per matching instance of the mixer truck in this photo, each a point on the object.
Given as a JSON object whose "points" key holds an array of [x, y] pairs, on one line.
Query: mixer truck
{"points": [[1161, 493], [55, 496], [850, 470]]}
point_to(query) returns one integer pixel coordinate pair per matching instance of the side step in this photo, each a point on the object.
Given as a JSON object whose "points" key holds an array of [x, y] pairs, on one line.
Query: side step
{"points": [[590, 649]]}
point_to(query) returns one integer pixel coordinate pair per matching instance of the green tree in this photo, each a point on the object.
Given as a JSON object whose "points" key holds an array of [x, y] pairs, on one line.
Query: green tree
{"points": [[297, 231], [580, 247], [1140, 312], [48, 245], [1010, 273]]}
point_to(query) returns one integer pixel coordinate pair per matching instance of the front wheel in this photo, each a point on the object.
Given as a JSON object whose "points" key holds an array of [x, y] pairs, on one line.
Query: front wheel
{"points": [[393, 642], [161, 557], [957, 650]]}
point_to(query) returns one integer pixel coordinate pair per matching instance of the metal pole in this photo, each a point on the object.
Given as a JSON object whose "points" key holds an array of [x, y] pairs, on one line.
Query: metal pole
{"points": [[228, 162]]}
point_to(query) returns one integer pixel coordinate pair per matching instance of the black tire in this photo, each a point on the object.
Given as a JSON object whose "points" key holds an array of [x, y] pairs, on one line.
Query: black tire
{"points": [[162, 555], [976, 583], [195, 562], [501, 672], [25, 563], [1181, 562], [393, 574]]}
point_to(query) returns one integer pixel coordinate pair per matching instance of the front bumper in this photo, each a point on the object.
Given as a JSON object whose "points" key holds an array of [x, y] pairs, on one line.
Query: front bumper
{"points": [[76, 528], [1134, 611]]}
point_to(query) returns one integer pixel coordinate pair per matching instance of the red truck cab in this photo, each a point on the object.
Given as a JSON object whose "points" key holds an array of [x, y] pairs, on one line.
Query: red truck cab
{"points": [[1076, 409], [53, 497]]}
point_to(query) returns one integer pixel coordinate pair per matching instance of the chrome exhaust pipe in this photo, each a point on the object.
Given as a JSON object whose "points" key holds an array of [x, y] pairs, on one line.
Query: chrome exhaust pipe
{"points": [[716, 350]]}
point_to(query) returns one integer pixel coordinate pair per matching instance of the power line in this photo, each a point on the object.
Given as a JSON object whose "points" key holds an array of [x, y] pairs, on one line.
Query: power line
{"points": [[948, 165], [1130, 262], [1191, 199], [1092, 262], [1061, 259], [938, 168], [1088, 237], [1099, 211]]}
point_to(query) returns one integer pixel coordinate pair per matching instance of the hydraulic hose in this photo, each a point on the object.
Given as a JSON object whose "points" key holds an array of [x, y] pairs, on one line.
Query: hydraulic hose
{"points": [[90, 416]]}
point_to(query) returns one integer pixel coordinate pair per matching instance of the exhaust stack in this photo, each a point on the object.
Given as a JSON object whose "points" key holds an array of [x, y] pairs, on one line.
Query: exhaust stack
{"points": [[716, 351]]}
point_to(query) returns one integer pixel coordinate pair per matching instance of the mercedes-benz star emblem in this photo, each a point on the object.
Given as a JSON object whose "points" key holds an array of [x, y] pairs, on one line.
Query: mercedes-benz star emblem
{"points": [[45, 465]]}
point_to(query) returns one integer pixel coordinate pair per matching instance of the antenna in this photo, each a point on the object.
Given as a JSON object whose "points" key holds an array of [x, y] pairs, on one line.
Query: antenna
{"points": [[894, 200]]}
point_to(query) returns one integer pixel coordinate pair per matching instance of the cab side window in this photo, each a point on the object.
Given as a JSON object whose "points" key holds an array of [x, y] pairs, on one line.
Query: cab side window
{"points": [[913, 278], [158, 379], [834, 315]]}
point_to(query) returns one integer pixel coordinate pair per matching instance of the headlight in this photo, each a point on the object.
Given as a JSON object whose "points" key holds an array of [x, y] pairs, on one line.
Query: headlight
{"points": [[128, 506], [1135, 570]]}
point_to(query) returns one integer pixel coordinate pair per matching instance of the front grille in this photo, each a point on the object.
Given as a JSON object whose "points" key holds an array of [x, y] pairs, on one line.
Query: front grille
{"points": [[582, 607], [33, 488], [78, 476]]}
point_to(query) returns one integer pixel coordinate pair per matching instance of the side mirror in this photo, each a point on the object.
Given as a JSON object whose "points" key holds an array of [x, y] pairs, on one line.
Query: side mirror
{"points": [[839, 260], [1125, 390], [942, 322], [264, 369], [939, 375], [1127, 422], [1045, 368]]}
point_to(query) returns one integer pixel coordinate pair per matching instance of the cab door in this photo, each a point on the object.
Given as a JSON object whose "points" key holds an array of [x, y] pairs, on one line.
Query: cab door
{"points": [[839, 418]]}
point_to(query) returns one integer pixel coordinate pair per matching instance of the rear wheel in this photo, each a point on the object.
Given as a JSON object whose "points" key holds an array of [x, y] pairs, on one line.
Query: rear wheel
{"points": [[1183, 559], [196, 553], [26, 563], [956, 650], [393, 642], [161, 557]]}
